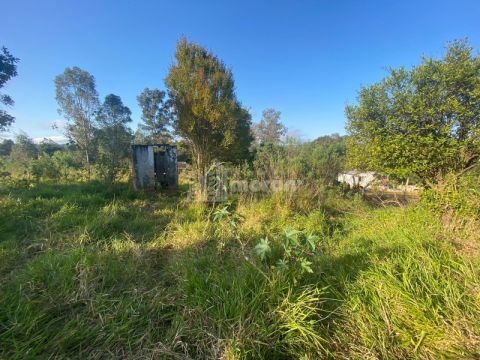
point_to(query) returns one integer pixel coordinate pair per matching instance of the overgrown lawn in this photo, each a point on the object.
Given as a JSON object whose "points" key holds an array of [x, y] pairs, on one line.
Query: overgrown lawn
{"points": [[88, 271]]}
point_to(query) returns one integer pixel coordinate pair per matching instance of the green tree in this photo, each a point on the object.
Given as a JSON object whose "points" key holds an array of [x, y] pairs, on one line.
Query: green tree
{"points": [[77, 98], [324, 158], [6, 147], [207, 112], [238, 150], [156, 115], [114, 136], [24, 150], [140, 137], [8, 70], [270, 129], [48, 147], [67, 160], [423, 121], [44, 167], [184, 152], [317, 161]]}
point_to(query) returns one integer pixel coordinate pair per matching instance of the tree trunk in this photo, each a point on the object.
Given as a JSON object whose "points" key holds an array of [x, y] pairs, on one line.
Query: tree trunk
{"points": [[87, 158], [200, 163]]}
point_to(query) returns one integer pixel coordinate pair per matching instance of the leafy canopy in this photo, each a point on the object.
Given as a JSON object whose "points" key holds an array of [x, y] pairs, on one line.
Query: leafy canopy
{"points": [[24, 149], [270, 129], [156, 115], [8, 70], [77, 99], [207, 112], [423, 121], [113, 136], [6, 147]]}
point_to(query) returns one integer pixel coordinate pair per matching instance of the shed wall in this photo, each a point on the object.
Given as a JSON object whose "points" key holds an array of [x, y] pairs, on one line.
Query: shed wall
{"points": [[143, 164]]}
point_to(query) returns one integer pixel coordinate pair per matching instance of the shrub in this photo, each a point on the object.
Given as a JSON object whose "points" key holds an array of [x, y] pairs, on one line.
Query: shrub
{"points": [[457, 196], [291, 253], [44, 168]]}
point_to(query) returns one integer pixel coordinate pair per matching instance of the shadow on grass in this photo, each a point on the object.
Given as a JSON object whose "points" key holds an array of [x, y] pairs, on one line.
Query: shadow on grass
{"points": [[105, 212], [139, 298], [34, 219]]}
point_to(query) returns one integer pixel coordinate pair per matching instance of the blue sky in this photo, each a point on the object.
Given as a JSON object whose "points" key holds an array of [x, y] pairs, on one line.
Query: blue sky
{"points": [[306, 59]]}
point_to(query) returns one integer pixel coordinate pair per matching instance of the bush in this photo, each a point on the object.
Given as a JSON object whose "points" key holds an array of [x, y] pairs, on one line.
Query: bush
{"points": [[291, 253], [318, 161], [44, 168], [458, 196]]}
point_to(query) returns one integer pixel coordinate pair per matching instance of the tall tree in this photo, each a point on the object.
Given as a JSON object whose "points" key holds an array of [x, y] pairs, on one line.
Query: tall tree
{"points": [[239, 149], [114, 136], [8, 70], [207, 112], [6, 147], [423, 121], [23, 150], [77, 98], [270, 129], [156, 115], [49, 147]]}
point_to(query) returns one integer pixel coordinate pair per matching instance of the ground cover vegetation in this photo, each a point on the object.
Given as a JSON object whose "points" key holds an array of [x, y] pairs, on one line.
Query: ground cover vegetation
{"points": [[90, 269]]}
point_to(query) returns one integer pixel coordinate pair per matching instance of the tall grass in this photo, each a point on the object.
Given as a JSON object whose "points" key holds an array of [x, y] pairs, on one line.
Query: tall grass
{"points": [[88, 271]]}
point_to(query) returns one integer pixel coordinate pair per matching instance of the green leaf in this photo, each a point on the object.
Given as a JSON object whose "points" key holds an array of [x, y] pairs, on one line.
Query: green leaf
{"points": [[306, 265], [221, 213], [312, 240], [282, 265], [291, 235], [263, 248]]}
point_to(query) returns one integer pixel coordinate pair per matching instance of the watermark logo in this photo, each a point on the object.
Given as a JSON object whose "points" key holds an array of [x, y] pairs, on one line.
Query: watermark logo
{"points": [[219, 187]]}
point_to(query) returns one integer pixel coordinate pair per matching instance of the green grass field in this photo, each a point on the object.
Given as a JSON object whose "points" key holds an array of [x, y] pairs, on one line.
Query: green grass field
{"points": [[91, 272]]}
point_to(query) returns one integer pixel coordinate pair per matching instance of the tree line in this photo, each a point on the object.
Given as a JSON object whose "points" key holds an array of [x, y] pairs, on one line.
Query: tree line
{"points": [[199, 111], [421, 122]]}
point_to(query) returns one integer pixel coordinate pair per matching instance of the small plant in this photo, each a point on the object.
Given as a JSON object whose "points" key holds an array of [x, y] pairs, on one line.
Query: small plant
{"points": [[221, 213], [225, 213], [295, 252], [263, 248], [227, 225]]}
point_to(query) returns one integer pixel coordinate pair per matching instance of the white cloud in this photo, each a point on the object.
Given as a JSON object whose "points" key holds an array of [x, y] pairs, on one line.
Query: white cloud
{"points": [[59, 139]]}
